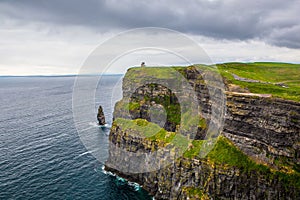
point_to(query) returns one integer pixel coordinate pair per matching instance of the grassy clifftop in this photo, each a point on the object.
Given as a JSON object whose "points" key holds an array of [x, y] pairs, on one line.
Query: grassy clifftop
{"points": [[281, 80]]}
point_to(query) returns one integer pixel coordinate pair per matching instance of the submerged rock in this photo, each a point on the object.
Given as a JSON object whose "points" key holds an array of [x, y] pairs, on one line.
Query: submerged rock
{"points": [[100, 116]]}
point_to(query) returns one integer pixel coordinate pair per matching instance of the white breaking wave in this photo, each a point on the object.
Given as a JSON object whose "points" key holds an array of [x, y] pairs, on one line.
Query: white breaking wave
{"points": [[84, 153], [136, 186], [87, 152], [94, 124]]}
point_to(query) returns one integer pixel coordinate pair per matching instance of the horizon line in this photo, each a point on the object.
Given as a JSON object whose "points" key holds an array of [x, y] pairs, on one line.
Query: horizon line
{"points": [[61, 75], [122, 74]]}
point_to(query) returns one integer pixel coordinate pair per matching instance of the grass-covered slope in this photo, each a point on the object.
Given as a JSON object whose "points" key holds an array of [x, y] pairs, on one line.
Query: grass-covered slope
{"points": [[224, 152], [279, 79]]}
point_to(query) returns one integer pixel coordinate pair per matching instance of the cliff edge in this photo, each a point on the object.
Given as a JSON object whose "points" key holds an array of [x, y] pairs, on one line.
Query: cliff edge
{"points": [[255, 156]]}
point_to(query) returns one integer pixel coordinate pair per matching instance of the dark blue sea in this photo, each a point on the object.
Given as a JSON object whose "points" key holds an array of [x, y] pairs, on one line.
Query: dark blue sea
{"points": [[41, 153]]}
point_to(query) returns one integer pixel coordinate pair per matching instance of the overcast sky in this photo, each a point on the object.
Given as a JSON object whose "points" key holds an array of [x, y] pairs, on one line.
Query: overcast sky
{"points": [[43, 37]]}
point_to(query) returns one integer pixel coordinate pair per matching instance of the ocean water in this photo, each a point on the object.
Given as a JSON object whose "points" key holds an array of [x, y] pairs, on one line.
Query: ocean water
{"points": [[41, 153]]}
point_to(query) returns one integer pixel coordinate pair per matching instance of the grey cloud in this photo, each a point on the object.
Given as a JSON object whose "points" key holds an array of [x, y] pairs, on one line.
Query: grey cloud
{"points": [[272, 21], [288, 37]]}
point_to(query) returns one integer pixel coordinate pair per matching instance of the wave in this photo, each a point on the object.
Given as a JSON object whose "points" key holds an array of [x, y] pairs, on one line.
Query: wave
{"points": [[84, 153], [95, 124], [135, 185]]}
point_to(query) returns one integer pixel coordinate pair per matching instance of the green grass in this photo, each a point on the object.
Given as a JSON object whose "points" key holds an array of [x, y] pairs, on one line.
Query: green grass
{"points": [[271, 72], [289, 74], [173, 113], [195, 150], [181, 142], [134, 106], [268, 72], [224, 153], [136, 74], [153, 132], [140, 126], [145, 129]]}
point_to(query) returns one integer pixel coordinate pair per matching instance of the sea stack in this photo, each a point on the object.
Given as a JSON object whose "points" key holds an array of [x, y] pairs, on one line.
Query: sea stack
{"points": [[100, 116]]}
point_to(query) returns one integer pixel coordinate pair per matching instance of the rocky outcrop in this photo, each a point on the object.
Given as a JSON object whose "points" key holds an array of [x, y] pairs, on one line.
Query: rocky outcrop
{"points": [[100, 116], [265, 129]]}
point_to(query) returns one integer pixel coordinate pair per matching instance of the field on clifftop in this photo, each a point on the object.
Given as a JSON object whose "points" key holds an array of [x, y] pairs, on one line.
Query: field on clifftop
{"points": [[279, 79]]}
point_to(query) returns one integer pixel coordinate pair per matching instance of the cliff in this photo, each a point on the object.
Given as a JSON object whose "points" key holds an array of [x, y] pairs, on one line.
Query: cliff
{"points": [[257, 155]]}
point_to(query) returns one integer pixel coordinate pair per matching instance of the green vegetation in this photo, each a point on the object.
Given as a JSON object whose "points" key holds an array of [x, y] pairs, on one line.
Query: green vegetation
{"points": [[195, 193], [189, 120], [224, 153], [173, 113], [194, 151], [136, 73], [180, 142], [140, 126], [272, 77], [133, 106], [123, 105], [270, 74], [152, 132]]}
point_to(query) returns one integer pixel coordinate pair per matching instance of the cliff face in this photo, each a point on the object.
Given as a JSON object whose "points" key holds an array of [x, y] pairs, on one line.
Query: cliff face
{"points": [[257, 156], [264, 128]]}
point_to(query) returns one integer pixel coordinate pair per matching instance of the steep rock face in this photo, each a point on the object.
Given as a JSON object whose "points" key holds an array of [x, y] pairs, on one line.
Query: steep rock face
{"points": [[100, 116], [184, 176], [264, 128]]}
